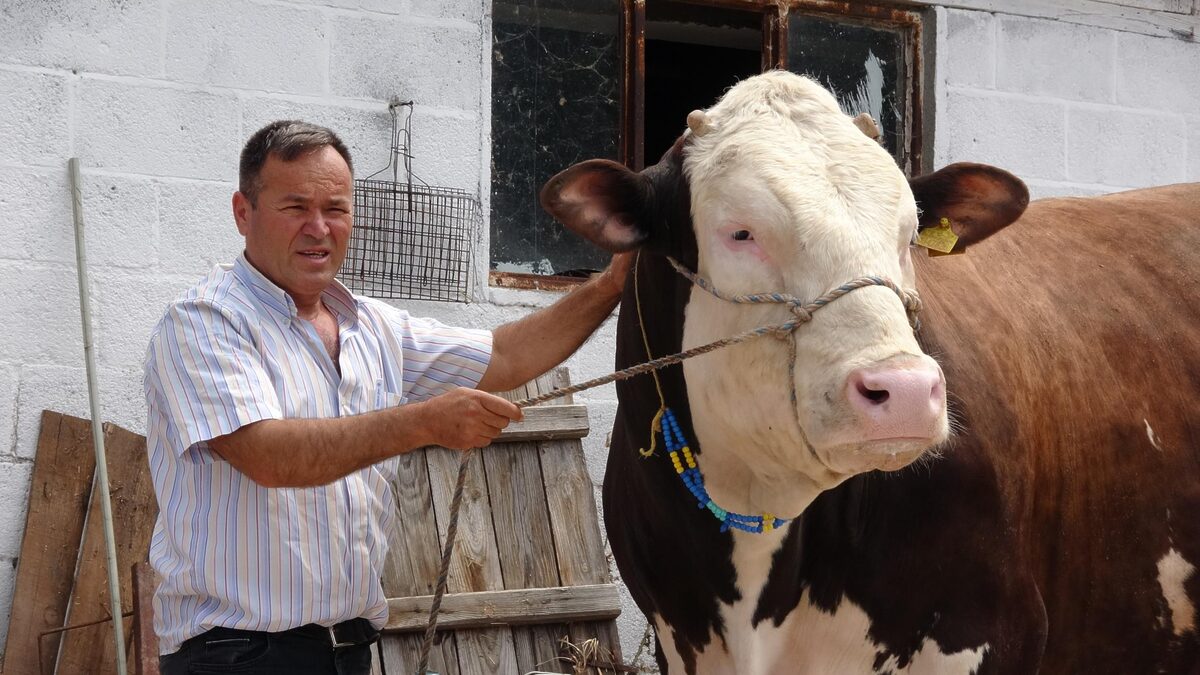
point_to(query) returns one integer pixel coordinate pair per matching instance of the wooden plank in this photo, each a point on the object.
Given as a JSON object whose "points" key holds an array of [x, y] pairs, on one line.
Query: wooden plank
{"points": [[524, 542], [475, 562], [509, 607], [58, 500], [414, 555], [91, 649], [144, 657], [548, 423], [578, 546], [546, 382]]}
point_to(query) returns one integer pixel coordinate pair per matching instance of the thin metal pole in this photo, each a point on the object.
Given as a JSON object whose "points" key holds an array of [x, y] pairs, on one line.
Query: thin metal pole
{"points": [[101, 484]]}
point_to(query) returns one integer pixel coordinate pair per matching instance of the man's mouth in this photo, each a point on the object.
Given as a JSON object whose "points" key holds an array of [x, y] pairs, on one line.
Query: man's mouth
{"points": [[315, 254]]}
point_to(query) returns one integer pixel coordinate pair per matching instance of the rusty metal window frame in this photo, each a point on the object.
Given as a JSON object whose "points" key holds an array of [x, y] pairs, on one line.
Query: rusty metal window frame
{"points": [[909, 22]]}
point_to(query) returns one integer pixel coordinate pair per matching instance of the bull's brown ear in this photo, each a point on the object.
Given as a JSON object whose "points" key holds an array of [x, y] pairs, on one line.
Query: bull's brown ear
{"points": [[601, 200], [979, 200]]}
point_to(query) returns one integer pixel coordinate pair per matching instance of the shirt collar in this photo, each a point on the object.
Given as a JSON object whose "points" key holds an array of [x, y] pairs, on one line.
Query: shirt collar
{"points": [[337, 297]]}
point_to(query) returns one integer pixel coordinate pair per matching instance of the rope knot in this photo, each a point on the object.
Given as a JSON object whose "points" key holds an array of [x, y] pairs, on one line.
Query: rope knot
{"points": [[803, 314]]}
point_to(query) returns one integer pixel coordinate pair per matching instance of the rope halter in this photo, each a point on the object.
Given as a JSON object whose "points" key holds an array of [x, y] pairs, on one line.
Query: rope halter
{"points": [[803, 311]]}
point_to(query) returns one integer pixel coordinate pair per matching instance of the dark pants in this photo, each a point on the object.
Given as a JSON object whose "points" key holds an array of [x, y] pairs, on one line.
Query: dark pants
{"points": [[307, 650]]}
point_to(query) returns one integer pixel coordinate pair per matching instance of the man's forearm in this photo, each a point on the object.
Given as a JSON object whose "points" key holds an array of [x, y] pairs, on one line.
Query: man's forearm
{"points": [[530, 346], [307, 452]]}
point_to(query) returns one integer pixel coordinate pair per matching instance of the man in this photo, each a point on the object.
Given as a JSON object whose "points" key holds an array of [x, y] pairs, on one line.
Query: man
{"points": [[275, 399]]}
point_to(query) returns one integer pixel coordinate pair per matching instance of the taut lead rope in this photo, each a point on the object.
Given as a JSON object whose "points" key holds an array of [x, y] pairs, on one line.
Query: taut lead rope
{"points": [[802, 312]]}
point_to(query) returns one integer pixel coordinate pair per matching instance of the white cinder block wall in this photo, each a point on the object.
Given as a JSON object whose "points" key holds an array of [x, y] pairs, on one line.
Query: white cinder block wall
{"points": [[1071, 109], [156, 96]]}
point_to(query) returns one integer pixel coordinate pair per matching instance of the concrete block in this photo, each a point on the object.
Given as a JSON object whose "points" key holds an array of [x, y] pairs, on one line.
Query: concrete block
{"points": [[247, 45], [126, 305], [120, 221], [1193, 149], [43, 301], [157, 130], [100, 36], [38, 202], [15, 478], [196, 228], [467, 10], [381, 58], [1025, 136], [1045, 190], [34, 127], [970, 60], [8, 409], [64, 389], [447, 150], [1158, 73], [1124, 148], [367, 131], [382, 6], [1054, 58]]}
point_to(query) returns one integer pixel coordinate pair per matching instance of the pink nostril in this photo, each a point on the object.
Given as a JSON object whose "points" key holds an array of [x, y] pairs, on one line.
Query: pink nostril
{"points": [[894, 402], [876, 396]]}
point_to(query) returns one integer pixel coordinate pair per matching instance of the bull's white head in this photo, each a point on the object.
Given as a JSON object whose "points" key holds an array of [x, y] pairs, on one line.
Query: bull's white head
{"points": [[787, 194]]}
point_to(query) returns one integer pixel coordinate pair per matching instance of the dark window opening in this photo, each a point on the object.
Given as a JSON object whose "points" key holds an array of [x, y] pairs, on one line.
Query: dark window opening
{"points": [[581, 79], [555, 101], [693, 55]]}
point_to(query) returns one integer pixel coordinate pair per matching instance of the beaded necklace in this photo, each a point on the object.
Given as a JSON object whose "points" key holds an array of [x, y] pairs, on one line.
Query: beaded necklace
{"points": [[694, 480]]}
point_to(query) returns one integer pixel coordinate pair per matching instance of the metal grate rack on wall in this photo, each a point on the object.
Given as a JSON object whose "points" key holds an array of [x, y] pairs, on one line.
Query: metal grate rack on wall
{"points": [[410, 240]]}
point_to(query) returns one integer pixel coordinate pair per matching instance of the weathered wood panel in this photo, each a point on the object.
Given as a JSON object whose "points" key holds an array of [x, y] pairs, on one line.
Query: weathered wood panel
{"points": [[578, 545], [58, 501], [474, 564], [524, 541], [144, 657], [505, 541], [92, 649], [508, 607], [548, 423], [412, 567]]}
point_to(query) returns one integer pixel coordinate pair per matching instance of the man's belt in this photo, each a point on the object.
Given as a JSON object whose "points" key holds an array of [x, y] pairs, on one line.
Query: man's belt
{"points": [[352, 633]]}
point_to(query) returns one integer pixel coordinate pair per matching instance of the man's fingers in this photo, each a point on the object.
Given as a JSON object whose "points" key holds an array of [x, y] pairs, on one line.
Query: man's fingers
{"points": [[500, 406]]}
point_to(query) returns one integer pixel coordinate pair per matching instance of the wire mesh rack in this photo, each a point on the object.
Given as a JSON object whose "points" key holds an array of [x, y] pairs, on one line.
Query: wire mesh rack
{"points": [[410, 240]]}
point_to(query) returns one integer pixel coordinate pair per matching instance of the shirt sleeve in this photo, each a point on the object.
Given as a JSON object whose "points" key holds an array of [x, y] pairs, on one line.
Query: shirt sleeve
{"points": [[204, 375], [437, 357]]}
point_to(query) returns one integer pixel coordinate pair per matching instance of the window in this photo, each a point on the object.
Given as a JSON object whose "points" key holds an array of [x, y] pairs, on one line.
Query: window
{"points": [[577, 79]]}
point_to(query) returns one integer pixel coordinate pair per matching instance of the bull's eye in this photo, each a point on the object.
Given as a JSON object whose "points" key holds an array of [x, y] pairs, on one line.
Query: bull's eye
{"points": [[743, 235]]}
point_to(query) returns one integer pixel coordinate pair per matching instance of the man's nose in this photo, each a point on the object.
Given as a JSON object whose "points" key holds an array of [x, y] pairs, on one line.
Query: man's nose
{"points": [[316, 226]]}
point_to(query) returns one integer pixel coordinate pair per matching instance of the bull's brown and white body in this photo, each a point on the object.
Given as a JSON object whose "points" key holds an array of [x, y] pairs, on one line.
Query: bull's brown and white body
{"points": [[1058, 528]]}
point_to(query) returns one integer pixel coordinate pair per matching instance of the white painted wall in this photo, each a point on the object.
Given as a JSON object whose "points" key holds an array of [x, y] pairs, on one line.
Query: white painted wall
{"points": [[156, 96], [1071, 109]]}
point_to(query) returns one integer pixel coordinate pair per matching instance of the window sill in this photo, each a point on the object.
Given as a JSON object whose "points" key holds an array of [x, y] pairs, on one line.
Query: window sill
{"points": [[533, 282]]}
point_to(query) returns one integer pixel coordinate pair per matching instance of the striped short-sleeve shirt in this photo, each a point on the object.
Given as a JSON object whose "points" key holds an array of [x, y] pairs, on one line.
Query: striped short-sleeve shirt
{"points": [[230, 352]]}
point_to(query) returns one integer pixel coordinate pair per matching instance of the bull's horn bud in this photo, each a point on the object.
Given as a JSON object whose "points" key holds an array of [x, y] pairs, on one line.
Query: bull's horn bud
{"points": [[699, 122], [867, 125]]}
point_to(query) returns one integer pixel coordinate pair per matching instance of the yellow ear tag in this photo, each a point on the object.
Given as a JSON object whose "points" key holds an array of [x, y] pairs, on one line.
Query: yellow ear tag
{"points": [[941, 238]]}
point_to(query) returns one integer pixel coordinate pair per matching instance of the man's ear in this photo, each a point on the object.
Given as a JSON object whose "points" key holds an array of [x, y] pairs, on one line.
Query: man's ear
{"points": [[602, 201], [241, 211], [978, 200]]}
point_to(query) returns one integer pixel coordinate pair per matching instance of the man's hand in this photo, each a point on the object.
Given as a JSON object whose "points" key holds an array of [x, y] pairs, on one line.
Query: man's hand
{"points": [[618, 271], [462, 418]]}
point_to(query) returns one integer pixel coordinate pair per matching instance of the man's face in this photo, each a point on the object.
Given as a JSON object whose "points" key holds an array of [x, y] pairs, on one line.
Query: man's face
{"points": [[297, 232]]}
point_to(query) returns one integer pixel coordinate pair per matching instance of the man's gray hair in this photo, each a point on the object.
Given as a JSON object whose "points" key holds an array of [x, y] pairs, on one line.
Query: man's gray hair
{"points": [[287, 140]]}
